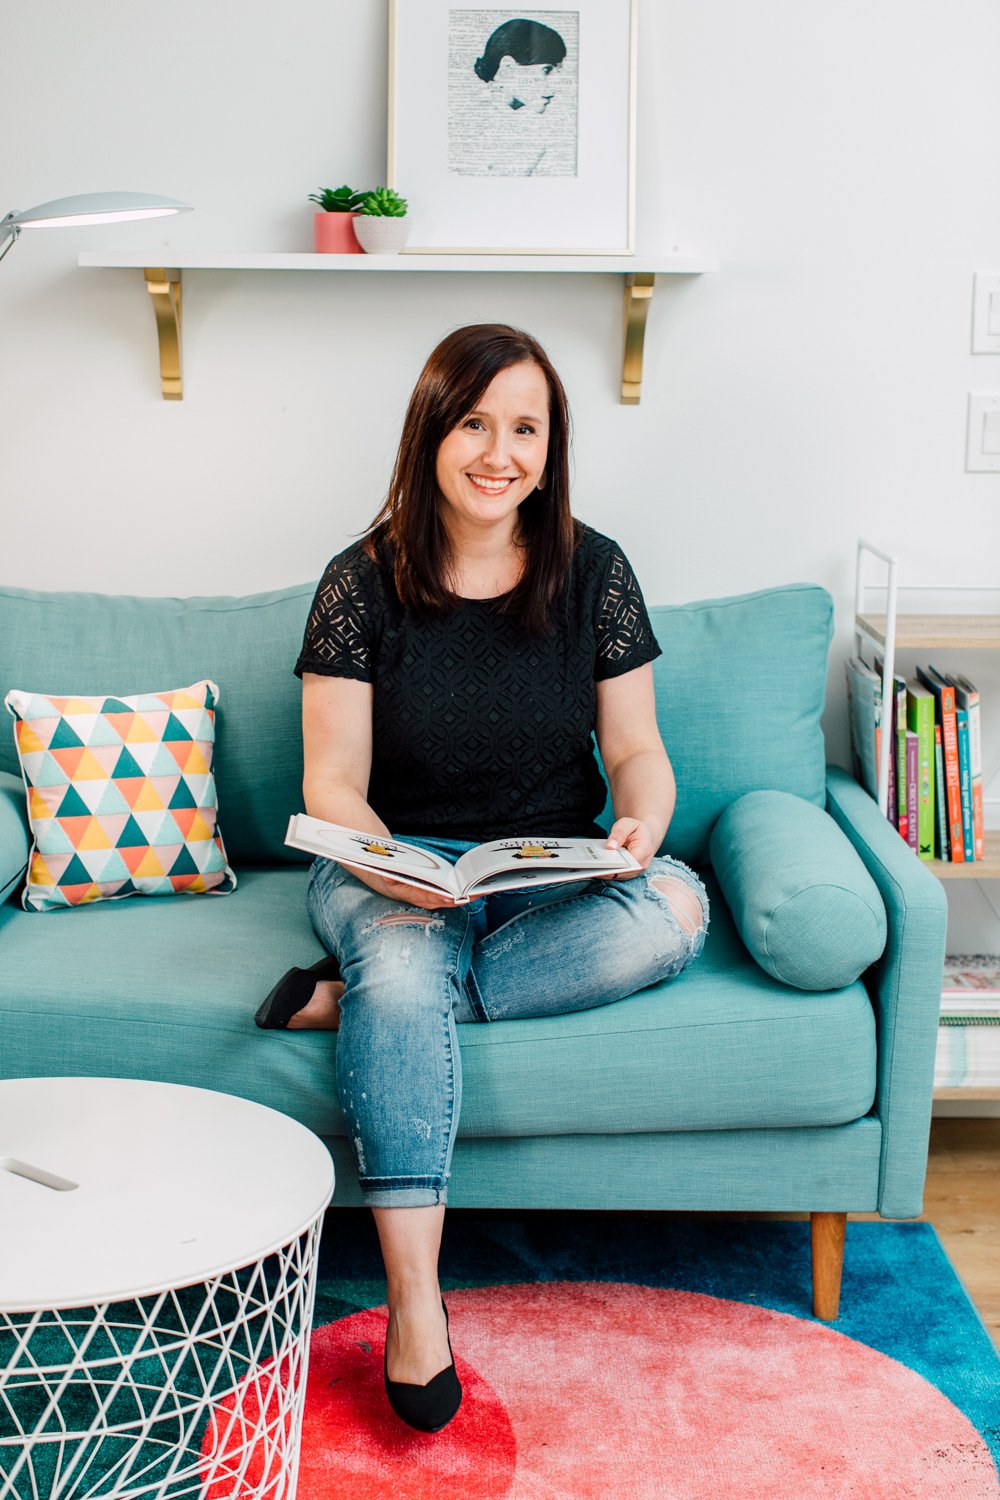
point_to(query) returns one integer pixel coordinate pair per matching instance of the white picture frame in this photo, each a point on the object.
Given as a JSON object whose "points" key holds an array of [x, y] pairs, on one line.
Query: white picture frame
{"points": [[487, 172]]}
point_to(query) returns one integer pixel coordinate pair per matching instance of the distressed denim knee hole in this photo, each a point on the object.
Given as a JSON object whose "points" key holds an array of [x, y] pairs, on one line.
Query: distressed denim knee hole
{"points": [[683, 902], [410, 919]]}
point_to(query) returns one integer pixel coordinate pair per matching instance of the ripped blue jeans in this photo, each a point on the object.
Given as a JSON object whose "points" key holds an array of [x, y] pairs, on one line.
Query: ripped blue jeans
{"points": [[410, 975]]}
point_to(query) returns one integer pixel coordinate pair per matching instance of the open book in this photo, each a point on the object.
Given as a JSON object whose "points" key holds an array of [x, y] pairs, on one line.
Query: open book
{"points": [[503, 865]]}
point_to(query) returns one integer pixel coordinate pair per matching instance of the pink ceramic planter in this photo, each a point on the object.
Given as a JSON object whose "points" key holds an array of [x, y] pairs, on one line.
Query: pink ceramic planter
{"points": [[334, 234]]}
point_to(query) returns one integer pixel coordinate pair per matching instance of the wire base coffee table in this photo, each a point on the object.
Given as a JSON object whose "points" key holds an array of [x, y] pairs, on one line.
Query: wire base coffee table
{"points": [[157, 1279]]}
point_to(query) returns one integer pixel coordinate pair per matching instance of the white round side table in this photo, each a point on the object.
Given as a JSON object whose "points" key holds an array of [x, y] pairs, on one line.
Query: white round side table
{"points": [[157, 1278]]}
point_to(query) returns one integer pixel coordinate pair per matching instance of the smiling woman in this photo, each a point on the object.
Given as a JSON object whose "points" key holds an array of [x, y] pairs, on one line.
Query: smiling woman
{"points": [[458, 664], [485, 469]]}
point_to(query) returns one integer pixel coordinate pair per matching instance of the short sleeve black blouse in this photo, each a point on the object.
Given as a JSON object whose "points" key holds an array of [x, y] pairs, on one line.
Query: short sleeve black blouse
{"points": [[479, 730]]}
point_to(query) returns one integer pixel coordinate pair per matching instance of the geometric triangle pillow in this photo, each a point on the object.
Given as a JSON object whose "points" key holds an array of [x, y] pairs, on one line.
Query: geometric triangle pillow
{"points": [[121, 796]]}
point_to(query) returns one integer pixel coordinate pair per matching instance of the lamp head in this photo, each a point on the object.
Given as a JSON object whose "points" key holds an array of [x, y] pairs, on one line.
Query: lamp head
{"points": [[87, 208]]}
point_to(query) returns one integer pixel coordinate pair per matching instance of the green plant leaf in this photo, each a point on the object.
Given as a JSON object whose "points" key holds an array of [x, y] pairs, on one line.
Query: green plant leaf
{"points": [[383, 203], [342, 200]]}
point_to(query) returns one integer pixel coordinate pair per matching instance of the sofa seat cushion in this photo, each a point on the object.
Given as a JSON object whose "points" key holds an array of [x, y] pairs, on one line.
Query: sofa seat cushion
{"points": [[167, 989], [723, 1047]]}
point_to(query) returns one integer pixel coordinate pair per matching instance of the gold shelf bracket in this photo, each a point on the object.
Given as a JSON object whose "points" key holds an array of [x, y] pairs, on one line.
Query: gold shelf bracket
{"points": [[164, 286], [638, 295]]}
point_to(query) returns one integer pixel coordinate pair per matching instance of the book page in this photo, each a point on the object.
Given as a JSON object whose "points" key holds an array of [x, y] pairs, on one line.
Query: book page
{"points": [[385, 856], [540, 859]]}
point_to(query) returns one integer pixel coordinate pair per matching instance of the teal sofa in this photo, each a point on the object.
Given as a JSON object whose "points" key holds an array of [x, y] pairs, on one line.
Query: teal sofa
{"points": [[729, 1089]]}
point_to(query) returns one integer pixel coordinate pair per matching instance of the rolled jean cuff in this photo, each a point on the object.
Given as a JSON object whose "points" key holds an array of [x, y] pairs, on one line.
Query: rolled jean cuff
{"points": [[401, 1192]]}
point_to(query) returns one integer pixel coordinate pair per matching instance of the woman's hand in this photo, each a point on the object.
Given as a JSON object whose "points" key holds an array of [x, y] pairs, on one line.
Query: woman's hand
{"points": [[398, 890], [415, 895], [631, 834]]}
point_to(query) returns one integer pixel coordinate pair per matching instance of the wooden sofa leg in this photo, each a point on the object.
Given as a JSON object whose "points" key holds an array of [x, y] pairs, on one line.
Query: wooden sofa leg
{"points": [[828, 1232]]}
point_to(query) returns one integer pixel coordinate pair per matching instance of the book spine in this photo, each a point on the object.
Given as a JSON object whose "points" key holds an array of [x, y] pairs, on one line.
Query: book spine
{"points": [[899, 726], [912, 788], [896, 808], [952, 781], [920, 718], [940, 808], [976, 777], [965, 780], [852, 725]]}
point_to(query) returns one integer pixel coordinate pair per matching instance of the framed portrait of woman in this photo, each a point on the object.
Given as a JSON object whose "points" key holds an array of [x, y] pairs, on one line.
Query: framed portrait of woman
{"points": [[512, 132]]}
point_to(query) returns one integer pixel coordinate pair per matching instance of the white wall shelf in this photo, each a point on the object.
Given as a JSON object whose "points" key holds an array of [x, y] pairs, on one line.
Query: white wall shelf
{"points": [[638, 275]]}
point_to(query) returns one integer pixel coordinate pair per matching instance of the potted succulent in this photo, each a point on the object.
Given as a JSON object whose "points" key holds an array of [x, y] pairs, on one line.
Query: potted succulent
{"points": [[333, 225], [382, 225]]}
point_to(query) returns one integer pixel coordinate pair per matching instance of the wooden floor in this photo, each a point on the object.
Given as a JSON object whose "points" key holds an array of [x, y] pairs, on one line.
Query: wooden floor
{"points": [[962, 1201]]}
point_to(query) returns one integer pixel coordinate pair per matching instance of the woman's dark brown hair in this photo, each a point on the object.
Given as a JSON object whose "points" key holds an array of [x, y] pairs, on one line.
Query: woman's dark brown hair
{"points": [[449, 387]]}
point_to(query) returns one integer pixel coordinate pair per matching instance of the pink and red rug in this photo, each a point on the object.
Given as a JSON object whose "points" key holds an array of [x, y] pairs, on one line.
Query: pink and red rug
{"points": [[661, 1358]]}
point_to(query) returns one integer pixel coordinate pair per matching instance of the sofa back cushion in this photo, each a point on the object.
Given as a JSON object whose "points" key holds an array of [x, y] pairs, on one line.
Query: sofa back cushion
{"points": [[739, 689], [739, 695], [57, 643]]}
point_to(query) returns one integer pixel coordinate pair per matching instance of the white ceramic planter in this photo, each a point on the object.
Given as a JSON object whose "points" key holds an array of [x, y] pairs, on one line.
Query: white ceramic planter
{"points": [[379, 236]]}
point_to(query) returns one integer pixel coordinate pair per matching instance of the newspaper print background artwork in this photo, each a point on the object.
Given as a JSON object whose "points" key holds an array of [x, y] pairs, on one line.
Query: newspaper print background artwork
{"points": [[512, 93]]}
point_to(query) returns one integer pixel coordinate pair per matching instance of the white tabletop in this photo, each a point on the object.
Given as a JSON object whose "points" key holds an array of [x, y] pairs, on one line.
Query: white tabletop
{"points": [[170, 1185]]}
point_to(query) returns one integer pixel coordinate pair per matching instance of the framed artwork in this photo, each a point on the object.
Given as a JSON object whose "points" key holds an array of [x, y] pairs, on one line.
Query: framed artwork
{"points": [[512, 132]]}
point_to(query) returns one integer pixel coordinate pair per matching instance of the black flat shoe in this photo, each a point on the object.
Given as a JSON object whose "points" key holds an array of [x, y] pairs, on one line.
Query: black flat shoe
{"points": [[292, 991], [428, 1407]]}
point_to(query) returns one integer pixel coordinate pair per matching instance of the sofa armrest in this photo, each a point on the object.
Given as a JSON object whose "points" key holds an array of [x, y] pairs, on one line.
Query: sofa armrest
{"points": [[905, 987], [15, 835]]}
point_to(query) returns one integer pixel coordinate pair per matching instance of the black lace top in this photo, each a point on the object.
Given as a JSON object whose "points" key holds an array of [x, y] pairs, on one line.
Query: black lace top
{"points": [[480, 731]]}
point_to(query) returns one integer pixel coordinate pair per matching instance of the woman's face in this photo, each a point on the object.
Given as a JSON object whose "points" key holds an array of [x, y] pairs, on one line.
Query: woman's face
{"points": [[496, 455], [525, 86]]}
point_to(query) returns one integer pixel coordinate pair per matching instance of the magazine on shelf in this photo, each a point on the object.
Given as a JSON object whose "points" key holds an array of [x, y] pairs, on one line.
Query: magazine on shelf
{"points": [[507, 864], [864, 697], [971, 974], [970, 1009], [968, 1046], [968, 1057]]}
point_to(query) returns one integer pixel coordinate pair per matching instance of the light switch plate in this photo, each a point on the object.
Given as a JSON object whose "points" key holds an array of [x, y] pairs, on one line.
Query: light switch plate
{"points": [[986, 313], [982, 452]]}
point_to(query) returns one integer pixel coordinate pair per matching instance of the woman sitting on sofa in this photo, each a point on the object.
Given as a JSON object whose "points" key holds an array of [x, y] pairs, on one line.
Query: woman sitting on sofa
{"points": [[455, 664]]}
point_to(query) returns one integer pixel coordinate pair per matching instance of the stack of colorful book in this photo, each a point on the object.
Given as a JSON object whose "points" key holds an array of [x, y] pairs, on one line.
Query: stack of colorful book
{"points": [[935, 756], [968, 1051]]}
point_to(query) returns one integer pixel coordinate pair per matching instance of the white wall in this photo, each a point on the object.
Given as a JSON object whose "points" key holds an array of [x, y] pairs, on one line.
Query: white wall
{"points": [[840, 159]]}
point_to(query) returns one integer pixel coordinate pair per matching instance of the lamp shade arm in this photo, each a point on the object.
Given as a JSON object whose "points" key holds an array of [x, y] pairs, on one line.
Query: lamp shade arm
{"points": [[9, 232]]}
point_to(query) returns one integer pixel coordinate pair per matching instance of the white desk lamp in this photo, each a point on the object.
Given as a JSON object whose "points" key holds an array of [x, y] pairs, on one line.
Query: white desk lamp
{"points": [[86, 208]]}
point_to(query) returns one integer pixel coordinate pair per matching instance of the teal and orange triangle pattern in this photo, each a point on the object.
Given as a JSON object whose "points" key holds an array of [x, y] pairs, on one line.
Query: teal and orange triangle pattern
{"points": [[121, 796]]}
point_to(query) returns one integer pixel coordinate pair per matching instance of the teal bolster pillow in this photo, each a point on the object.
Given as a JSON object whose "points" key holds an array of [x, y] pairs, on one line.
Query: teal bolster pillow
{"points": [[803, 902]]}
